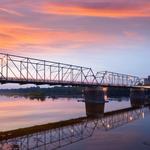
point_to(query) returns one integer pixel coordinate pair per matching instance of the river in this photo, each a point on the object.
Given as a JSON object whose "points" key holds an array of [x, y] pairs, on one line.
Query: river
{"points": [[127, 129]]}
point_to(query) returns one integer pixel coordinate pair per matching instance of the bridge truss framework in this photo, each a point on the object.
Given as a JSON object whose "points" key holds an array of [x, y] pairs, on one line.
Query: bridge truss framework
{"points": [[25, 70]]}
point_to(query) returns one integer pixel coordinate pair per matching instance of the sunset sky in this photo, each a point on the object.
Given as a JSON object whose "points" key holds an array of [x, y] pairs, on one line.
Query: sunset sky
{"points": [[109, 35]]}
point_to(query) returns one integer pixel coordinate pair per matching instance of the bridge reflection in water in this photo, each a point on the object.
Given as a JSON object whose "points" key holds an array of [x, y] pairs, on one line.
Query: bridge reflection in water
{"points": [[67, 132]]}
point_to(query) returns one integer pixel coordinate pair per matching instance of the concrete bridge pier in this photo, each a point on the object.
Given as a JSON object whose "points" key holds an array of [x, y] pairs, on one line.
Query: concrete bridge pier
{"points": [[94, 109], [94, 101], [94, 94], [139, 97]]}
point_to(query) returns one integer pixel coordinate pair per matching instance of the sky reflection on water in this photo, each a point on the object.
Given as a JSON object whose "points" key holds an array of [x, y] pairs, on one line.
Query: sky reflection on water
{"points": [[133, 134], [21, 112]]}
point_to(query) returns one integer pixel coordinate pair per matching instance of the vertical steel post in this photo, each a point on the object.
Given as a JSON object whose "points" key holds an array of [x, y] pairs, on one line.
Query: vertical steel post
{"points": [[50, 71], [1, 67], [58, 72], [7, 66], [20, 69], [122, 80], [44, 70], [112, 78], [81, 74], [27, 68], [36, 71], [72, 75], [62, 74]]}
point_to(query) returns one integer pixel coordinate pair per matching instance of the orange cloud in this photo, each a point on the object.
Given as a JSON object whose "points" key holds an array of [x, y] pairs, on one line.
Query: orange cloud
{"points": [[24, 38], [14, 36], [58, 9]]}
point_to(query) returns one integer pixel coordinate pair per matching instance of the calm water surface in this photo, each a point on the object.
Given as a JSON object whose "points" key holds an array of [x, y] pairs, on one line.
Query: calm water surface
{"points": [[20, 112], [131, 136]]}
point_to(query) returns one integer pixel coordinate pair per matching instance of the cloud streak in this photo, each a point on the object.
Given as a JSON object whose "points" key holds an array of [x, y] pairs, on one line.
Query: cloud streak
{"points": [[11, 12], [99, 9], [14, 35], [62, 26]]}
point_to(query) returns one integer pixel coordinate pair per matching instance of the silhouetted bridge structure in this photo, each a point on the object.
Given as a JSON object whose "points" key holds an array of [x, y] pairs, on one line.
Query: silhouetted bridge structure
{"points": [[25, 70]]}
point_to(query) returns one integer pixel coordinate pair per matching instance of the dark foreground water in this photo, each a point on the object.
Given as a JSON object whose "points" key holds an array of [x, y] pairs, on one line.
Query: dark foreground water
{"points": [[120, 130]]}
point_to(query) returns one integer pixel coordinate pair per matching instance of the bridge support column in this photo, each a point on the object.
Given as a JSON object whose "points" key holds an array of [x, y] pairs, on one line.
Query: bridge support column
{"points": [[94, 109], [94, 94], [139, 97]]}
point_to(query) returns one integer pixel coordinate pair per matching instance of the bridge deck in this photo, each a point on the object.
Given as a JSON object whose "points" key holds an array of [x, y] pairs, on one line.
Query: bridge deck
{"points": [[63, 83]]}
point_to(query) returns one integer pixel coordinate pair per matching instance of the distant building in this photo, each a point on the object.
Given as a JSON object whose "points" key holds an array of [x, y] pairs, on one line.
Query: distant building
{"points": [[147, 81]]}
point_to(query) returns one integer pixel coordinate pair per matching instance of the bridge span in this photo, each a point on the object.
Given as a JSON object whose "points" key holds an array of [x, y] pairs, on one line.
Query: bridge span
{"points": [[25, 70]]}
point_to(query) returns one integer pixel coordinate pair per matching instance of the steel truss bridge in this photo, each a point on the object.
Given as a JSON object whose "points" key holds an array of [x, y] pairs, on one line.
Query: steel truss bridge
{"points": [[62, 136], [25, 70]]}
